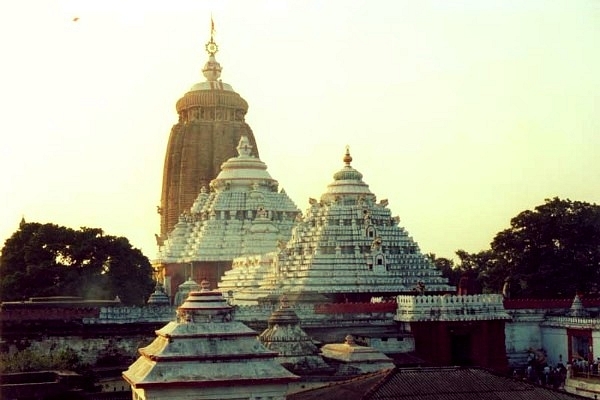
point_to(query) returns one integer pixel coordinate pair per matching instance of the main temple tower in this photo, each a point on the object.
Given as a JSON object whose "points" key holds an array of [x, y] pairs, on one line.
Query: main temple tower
{"points": [[211, 123]]}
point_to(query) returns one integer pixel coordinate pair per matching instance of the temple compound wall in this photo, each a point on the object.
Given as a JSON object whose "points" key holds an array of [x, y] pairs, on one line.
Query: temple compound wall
{"points": [[462, 330], [552, 331], [477, 330], [108, 350], [523, 334], [97, 333], [101, 332]]}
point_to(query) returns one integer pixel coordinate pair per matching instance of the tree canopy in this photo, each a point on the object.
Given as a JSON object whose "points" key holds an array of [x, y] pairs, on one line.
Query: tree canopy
{"points": [[51, 260], [551, 251]]}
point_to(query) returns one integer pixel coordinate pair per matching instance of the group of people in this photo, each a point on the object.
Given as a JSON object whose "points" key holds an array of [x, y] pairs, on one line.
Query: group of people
{"points": [[540, 372], [547, 375], [581, 365]]}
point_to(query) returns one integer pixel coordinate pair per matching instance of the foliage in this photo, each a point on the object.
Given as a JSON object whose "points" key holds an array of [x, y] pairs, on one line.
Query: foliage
{"points": [[448, 268], [28, 360], [463, 274], [51, 260], [551, 251]]}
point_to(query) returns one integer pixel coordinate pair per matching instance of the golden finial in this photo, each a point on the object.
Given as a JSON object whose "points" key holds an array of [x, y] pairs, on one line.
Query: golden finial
{"points": [[347, 156]]}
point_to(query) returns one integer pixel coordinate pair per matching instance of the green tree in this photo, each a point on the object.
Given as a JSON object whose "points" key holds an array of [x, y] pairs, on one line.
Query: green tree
{"points": [[465, 273], [29, 360], [551, 251], [447, 267], [51, 260]]}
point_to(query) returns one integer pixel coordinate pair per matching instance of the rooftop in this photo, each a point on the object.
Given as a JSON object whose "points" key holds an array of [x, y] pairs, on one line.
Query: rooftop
{"points": [[444, 383]]}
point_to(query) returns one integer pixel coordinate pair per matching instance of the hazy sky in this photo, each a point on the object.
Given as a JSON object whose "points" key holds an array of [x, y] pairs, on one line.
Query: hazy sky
{"points": [[460, 113]]}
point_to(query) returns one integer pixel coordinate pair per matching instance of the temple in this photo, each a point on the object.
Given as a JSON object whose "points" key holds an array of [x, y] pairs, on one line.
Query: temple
{"points": [[206, 354], [296, 350], [242, 213], [354, 359], [347, 247], [347, 304], [211, 123]]}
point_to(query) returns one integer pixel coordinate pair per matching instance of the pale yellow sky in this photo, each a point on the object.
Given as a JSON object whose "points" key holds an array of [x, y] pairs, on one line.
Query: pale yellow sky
{"points": [[461, 113]]}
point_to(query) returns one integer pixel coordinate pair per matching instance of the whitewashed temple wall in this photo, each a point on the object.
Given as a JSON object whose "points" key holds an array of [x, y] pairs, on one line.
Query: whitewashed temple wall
{"points": [[246, 314], [555, 337], [532, 329], [133, 314], [523, 332], [555, 342], [391, 345], [479, 307]]}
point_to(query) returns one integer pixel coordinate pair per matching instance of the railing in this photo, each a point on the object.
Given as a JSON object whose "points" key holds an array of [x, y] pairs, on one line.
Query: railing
{"points": [[450, 308], [587, 371], [585, 322]]}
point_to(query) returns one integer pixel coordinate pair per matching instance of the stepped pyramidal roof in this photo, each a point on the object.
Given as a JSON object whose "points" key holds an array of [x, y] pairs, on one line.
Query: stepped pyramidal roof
{"points": [[296, 350], [243, 213], [158, 297], [347, 246], [207, 350]]}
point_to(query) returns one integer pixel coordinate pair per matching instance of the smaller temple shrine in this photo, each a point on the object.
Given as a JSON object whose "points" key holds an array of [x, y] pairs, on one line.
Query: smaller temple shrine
{"points": [[184, 290], [243, 214], [347, 247], [159, 297], [206, 354], [296, 349], [352, 359]]}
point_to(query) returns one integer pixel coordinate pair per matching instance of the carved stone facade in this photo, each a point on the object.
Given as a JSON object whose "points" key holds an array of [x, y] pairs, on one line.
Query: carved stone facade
{"points": [[347, 247], [243, 213], [211, 123]]}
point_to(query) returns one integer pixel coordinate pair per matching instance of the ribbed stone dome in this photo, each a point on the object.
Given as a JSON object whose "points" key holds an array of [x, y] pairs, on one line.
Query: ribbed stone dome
{"points": [[243, 170], [206, 96], [347, 174], [347, 183], [211, 123], [213, 93]]}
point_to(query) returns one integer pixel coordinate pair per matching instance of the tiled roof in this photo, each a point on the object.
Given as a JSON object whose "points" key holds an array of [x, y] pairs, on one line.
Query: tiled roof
{"points": [[446, 383], [352, 389], [458, 383]]}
